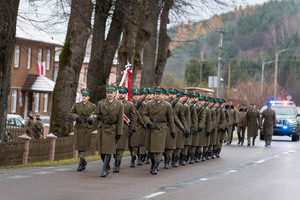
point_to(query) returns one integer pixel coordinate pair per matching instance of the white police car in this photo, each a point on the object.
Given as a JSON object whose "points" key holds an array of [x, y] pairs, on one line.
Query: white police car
{"points": [[287, 119]]}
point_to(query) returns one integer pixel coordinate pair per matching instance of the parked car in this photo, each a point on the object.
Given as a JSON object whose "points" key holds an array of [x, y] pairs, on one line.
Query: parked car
{"points": [[45, 119], [15, 120]]}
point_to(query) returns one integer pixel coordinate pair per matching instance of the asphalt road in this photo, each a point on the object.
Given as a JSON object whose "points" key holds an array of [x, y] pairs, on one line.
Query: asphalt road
{"points": [[242, 173]]}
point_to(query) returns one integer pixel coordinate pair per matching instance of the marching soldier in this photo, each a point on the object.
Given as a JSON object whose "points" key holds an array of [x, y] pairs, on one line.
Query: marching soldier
{"points": [[137, 140], [207, 130], [129, 129], [213, 134], [110, 113], [252, 120], [194, 125], [30, 124], [269, 118], [38, 127], [150, 96], [156, 115], [221, 125], [187, 115], [145, 94], [232, 112], [81, 112], [241, 124]]}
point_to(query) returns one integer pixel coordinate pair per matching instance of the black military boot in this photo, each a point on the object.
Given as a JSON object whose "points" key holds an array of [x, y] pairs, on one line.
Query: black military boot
{"points": [[183, 160], [117, 166], [147, 159], [192, 160], [203, 158], [106, 167], [84, 163], [139, 161], [218, 153], [208, 155], [197, 157], [155, 168], [132, 163], [175, 163], [80, 165], [213, 154], [167, 162], [152, 165]]}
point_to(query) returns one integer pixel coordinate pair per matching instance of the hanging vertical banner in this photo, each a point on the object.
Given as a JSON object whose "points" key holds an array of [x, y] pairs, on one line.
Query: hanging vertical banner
{"points": [[126, 80], [41, 68]]}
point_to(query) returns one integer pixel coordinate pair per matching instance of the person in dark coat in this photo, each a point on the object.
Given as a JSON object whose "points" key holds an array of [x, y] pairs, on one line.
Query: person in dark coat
{"points": [[110, 113], [38, 127], [253, 123], [241, 124], [30, 124], [81, 112], [269, 117]]}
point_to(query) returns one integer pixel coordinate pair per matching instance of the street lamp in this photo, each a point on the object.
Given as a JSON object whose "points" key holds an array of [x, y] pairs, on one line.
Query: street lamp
{"points": [[276, 67], [262, 75]]}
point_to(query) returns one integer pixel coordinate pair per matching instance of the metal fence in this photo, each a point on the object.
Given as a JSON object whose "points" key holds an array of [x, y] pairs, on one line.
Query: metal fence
{"points": [[13, 132]]}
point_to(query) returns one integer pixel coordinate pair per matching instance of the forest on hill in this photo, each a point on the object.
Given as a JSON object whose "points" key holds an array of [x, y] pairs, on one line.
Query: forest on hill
{"points": [[252, 36]]}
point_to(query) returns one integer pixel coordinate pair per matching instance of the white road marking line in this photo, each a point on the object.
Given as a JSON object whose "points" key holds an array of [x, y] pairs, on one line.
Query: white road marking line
{"points": [[285, 153], [233, 170], [42, 173], [203, 179], [291, 151], [17, 177], [153, 195], [62, 170], [260, 161]]}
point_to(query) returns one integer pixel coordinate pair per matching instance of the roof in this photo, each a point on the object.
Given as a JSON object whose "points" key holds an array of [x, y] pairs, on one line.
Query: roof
{"points": [[35, 83], [25, 30]]}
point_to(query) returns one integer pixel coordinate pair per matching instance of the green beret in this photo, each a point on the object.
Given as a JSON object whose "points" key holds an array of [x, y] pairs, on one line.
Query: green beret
{"points": [[86, 91], [201, 98], [173, 90], [123, 89], [222, 101], [145, 91], [211, 99], [136, 91], [38, 115], [229, 100], [244, 105], [31, 112], [151, 90], [111, 88], [252, 104], [180, 94], [186, 92], [195, 94], [160, 89]]}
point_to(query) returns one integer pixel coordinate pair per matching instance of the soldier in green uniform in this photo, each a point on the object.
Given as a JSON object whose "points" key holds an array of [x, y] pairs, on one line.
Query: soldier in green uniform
{"points": [[81, 112], [269, 118], [207, 130], [194, 126], [202, 126], [180, 122], [213, 134], [38, 127], [151, 94], [145, 94], [253, 123], [241, 124], [187, 115], [156, 115], [129, 129], [232, 112], [221, 125], [30, 124], [110, 113]]}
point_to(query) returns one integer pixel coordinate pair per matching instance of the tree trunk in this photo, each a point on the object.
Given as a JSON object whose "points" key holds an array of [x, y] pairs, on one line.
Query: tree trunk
{"points": [[149, 55], [70, 63], [164, 41], [8, 20], [103, 51]]}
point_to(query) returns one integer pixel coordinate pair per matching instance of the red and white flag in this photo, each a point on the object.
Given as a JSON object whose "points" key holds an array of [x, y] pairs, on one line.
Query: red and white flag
{"points": [[126, 80], [41, 68]]}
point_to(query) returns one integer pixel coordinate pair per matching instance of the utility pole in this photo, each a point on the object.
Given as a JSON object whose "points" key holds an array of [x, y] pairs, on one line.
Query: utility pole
{"points": [[276, 67], [201, 66], [262, 75], [221, 31], [228, 91]]}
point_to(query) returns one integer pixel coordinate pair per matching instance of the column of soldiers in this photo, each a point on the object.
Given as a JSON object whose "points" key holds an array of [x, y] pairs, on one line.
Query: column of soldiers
{"points": [[34, 126], [172, 126]]}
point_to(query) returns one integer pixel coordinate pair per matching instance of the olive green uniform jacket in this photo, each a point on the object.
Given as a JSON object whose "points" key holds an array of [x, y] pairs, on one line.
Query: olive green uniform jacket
{"points": [[29, 127], [130, 112], [187, 115], [82, 131], [139, 136], [194, 121], [232, 116], [207, 128], [221, 119], [38, 129], [252, 120], [213, 135], [269, 117], [110, 115], [198, 137], [181, 123], [156, 138]]}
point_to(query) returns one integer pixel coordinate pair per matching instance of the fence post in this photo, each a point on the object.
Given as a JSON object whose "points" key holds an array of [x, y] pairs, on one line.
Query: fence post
{"points": [[75, 152], [26, 147], [52, 138]]}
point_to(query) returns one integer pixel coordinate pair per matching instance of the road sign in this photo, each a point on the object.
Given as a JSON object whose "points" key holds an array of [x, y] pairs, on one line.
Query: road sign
{"points": [[212, 81]]}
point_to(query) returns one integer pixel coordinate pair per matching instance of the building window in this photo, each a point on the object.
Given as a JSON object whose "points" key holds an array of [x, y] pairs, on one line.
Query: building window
{"points": [[40, 54], [29, 58], [45, 103], [55, 72], [48, 59], [13, 101], [17, 56], [36, 102], [85, 74]]}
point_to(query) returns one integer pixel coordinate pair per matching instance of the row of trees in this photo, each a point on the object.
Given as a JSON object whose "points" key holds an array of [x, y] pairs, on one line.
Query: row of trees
{"points": [[136, 30]]}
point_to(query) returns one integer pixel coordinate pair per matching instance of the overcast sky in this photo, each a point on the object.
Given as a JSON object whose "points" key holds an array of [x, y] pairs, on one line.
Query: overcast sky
{"points": [[47, 16]]}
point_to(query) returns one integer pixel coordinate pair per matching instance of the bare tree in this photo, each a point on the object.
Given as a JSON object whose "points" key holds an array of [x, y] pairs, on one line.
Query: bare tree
{"points": [[8, 20], [70, 63]]}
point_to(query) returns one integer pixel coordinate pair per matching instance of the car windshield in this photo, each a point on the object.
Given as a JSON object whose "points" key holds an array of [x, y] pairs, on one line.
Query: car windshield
{"points": [[45, 120], [281, 110]]}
